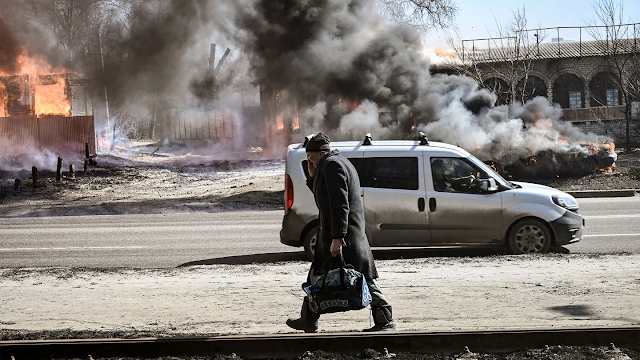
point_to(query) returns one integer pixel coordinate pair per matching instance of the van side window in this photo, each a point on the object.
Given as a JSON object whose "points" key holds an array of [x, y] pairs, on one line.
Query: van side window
{"points": [[361, 167], [359, 163], [455, 175], [384, 172], [305, 168], [392, 173]]}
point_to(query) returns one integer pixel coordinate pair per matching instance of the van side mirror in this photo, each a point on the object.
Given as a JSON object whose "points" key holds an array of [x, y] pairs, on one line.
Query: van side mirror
{"points": [[492, 185], [488, 185]]}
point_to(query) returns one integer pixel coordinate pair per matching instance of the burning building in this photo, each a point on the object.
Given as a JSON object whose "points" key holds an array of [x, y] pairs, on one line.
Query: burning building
{"points": [[42, 108]]}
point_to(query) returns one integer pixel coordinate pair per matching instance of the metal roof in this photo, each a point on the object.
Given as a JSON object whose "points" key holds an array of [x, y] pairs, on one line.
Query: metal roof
{"points": [[554, 50]]}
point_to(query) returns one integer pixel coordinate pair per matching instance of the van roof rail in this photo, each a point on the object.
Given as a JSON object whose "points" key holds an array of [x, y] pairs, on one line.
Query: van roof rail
{"points": [[367, 139], [423, 139], [306, 139]]}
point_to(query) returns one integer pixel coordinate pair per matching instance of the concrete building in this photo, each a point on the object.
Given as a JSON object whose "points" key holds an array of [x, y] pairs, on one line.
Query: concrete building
{"points": [[596, 83]]}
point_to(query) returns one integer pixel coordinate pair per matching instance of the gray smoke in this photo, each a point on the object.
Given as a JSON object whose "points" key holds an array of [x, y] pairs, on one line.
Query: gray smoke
{"points": [[10, 49], [327, 52]]}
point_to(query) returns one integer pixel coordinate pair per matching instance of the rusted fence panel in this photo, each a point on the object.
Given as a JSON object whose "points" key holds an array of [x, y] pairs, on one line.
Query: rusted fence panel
{"points": [[19, 132], [58, 134]]}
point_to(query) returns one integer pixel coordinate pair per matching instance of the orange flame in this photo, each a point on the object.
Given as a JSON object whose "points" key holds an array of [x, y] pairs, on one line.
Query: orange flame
{"points": [[50, 94], [279, 122], [445, 53], [52, 99], [103, 139], [295, 123]]}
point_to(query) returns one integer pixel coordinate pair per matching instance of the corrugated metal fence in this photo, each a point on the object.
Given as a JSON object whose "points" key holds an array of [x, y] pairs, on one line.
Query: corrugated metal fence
{"points": [[58, 134], [198, 125]]}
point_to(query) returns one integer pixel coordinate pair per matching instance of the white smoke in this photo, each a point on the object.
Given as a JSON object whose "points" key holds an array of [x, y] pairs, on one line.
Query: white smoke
{"points": [[364, 119]]}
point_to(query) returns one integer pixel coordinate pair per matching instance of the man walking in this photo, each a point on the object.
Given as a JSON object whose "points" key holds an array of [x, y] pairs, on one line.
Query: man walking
{"points": [[336, 188]]}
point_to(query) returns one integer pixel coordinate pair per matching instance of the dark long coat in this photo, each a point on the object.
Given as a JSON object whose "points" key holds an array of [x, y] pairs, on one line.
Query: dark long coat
{"points": [[336, 189]]}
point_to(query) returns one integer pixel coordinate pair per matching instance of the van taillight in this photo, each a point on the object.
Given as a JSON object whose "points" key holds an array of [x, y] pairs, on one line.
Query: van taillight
{"points": [[288, 193]]}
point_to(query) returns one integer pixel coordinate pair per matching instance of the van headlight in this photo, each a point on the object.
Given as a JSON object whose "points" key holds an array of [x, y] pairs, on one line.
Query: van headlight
{"points": [[565, 201]]}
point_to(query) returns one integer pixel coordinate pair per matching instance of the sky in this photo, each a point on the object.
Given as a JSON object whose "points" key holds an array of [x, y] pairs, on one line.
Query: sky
{"points": [[477, 19]]}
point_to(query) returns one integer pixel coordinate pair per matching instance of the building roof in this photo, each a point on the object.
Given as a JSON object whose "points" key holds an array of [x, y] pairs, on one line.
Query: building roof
{"points": [[553, 50]]}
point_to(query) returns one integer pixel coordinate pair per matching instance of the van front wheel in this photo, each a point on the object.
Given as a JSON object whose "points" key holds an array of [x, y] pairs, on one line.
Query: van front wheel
{"points": [[310, 242], [529, 236]]}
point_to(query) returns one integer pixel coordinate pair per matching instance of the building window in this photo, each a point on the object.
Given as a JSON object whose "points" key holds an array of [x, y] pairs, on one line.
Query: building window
{"points": [[575, 99], [612, 97]]}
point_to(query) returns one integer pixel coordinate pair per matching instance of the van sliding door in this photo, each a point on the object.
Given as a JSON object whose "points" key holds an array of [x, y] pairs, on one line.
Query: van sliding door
{"points": [[394, 197]]}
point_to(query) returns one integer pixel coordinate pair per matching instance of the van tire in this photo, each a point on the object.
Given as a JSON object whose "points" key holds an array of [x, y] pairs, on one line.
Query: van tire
{"points": [[529, 236], [310, 242]]}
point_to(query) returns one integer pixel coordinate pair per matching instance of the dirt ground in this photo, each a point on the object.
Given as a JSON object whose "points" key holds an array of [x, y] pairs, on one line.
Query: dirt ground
{"points": [[428, 294], [146, 182]]}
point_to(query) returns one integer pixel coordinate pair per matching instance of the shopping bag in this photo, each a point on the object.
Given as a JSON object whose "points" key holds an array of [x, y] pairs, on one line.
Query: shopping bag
{"points": [[342, 288]]}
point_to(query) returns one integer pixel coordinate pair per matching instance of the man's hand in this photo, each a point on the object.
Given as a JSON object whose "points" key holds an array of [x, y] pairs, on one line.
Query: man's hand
{"points": [[336, 247], [312, 168]]}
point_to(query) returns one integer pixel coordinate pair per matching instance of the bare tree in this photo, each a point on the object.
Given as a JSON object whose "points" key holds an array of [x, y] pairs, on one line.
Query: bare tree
{"points": [[421, 14], [619, 43], [509, 57], [71, 21]]}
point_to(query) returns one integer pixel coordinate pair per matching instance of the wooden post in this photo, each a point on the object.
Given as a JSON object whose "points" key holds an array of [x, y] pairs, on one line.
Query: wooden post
{"points": [[59, 170], [16, 185], [72, 171], [34, 176], [86, 150], [86, 165]]}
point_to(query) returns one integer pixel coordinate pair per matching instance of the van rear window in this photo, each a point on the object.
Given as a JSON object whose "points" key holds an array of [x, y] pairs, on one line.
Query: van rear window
{"points": [[391, 173]]}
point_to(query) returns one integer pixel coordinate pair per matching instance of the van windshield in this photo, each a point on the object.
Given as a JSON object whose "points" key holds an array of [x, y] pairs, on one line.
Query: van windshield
{"points": [[490, 171]]}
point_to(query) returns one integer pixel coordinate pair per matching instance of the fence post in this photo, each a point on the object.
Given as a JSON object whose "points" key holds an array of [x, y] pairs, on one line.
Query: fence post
{"points": [[34, 176], [72, 171], [59, 170], [16, 185]]}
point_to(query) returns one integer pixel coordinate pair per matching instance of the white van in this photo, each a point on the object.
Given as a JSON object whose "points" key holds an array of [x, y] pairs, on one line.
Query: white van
{"points": [[406, 204]]}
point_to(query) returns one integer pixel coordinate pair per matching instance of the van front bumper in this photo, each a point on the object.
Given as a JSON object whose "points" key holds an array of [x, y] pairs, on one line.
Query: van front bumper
{"points": [[292, 227], [568, 228]]}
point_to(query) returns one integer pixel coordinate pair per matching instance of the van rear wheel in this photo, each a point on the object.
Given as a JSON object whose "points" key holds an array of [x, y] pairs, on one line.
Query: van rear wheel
{"points": [[529, 236], [310, 242]]}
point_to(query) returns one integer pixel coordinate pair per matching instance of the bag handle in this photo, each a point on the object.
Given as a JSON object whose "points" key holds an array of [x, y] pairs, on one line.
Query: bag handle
{"points": [[341, 264]]}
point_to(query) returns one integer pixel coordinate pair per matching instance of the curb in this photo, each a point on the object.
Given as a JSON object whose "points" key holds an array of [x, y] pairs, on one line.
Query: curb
{"points": [[602, 193]]}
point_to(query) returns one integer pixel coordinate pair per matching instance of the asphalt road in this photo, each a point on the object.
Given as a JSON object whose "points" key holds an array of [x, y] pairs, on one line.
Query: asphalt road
{"points": [[169, 240]]}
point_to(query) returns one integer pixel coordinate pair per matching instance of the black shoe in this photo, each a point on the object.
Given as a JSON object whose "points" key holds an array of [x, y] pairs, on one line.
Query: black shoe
{"points": [[382, 319], [390, 326], [300, 324]]}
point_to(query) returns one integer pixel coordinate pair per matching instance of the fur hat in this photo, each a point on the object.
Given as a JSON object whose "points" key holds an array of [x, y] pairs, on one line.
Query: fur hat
{"points": [[319, 142]]}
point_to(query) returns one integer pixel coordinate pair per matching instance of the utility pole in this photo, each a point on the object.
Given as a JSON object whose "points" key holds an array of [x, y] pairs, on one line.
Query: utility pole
{"points": [[106, 97]]}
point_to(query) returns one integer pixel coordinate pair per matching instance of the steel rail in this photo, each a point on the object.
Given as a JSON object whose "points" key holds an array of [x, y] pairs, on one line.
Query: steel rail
{"points": [[294, 345]]}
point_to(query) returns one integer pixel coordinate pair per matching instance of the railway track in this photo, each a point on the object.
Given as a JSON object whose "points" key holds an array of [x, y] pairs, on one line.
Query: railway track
{"points": [[294, 345]]}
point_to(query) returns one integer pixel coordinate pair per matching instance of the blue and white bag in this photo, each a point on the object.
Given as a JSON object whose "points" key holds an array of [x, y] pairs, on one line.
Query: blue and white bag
{"points": [[340, 289]]}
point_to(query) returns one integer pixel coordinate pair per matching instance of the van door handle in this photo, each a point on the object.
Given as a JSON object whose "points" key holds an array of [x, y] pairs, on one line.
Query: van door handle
{"points": [[421, 204], [432, 204]]}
